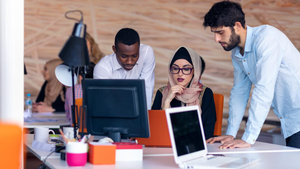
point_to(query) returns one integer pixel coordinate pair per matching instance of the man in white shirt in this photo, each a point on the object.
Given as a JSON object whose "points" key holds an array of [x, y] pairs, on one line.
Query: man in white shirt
{"points": [[130, 60], [262, 56]]}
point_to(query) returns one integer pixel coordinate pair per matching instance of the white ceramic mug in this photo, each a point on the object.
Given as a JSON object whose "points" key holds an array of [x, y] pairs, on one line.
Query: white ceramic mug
{"points": [[41, 134], [68, 132]]}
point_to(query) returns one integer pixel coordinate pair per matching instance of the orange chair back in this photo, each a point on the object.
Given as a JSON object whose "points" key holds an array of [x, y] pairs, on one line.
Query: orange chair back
{"points": [[11, 140], [159, 132], [81, 115], [219, 103]]}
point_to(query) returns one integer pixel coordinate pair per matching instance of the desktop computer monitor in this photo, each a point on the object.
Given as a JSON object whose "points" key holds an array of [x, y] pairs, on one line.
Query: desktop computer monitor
{"points": [[116, 108]]}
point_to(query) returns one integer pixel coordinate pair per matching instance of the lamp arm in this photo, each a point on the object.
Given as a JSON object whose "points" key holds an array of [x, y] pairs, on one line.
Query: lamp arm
{"points": [[73, 108]]}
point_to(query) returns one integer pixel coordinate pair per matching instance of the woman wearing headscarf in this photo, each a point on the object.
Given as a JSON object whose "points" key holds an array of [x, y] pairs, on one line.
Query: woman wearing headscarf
{"points": [[184, 88], [52, 95]]}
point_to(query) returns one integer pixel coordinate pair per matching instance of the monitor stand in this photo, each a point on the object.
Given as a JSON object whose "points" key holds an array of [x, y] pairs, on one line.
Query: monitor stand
{"points": [[115, 136], [115, 133]]}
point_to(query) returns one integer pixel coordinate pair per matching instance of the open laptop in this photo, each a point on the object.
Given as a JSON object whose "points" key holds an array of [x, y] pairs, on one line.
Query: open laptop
{"points": [[188, 141]]}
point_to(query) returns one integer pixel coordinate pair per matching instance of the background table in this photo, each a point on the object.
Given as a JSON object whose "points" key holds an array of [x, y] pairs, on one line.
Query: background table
{"points": [[61, 120]]}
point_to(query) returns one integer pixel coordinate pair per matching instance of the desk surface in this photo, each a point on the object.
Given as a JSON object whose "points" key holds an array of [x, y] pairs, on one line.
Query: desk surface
{"points": [[270, 155], [266, 160], [258, 147], [39, 153], [60, 117]]}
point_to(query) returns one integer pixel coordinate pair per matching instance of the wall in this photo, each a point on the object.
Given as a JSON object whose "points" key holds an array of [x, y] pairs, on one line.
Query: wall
{"points": [[163, 24]]}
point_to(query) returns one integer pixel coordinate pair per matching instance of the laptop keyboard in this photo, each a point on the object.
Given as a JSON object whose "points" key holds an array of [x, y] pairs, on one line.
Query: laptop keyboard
{"points": [[210, 162]]}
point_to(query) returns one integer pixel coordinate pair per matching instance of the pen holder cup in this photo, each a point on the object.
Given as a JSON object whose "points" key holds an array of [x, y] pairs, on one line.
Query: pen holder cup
{"points": [[76, 153]]}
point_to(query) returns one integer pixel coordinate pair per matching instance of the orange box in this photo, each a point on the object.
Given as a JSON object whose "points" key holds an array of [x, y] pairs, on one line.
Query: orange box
{"points": [[102, 153]]}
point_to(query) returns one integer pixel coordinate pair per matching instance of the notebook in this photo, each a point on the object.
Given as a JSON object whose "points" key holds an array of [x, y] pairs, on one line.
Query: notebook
{"points": [[188, 141]]}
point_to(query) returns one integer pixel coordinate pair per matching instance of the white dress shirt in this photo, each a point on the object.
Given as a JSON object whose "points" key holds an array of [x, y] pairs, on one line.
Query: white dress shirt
{"points": [[272, 64], [109, 68]]}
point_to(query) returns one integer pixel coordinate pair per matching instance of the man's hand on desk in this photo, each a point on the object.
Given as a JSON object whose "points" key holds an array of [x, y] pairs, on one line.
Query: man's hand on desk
{"points": [[222, 139], [229, 142], [236, 143]]}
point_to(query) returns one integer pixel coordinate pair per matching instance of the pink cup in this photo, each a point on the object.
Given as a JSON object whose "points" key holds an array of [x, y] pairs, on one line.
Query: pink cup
{"points": [[76, 153]]}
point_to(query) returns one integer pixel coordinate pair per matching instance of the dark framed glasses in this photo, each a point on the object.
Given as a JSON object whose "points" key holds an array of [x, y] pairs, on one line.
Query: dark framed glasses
{"points": [[185, 71]]}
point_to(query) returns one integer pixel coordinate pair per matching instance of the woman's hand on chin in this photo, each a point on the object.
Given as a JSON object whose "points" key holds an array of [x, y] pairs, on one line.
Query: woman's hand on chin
{"points": [[176, 89]]}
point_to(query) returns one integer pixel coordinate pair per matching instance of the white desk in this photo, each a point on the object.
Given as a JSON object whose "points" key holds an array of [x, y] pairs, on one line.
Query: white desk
{"points": [[42, 154], [60, 117], [279, 160], [39, 153], [270, 155], [258, 147]]}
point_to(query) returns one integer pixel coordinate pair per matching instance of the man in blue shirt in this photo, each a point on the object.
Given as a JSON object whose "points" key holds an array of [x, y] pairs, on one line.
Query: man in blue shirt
{"points": [[262, 56]]}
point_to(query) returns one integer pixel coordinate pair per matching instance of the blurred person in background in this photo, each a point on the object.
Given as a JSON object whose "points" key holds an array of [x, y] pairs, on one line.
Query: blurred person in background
{"points": [[52, 94]]}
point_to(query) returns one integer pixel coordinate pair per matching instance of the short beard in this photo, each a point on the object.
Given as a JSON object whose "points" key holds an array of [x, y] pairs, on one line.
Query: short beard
{"points": [[233, 41]]}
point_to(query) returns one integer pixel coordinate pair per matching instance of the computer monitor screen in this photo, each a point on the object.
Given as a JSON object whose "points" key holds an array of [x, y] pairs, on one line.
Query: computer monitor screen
{"points": [[116, 108]]}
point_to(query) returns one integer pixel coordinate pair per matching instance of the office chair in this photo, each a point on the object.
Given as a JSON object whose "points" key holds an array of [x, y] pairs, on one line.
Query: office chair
{"points": [[81, 115], [11, 140], [159, 132], [219, 103]]}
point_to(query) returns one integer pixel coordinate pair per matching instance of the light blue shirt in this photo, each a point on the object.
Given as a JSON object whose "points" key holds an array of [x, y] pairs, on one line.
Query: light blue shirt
{"points": [[272, 64]]}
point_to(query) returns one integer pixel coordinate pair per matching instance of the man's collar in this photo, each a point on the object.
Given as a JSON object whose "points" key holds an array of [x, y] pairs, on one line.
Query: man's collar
{"points": [[248, 39], [116, 64]]}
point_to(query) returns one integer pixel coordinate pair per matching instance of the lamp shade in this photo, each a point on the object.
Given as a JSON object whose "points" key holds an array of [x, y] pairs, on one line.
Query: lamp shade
{"points": [[75, 52], [64, 75]]}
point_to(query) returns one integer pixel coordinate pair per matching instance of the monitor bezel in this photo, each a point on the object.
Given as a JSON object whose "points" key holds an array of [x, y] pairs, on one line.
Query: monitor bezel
{"points": [[143, 112]]}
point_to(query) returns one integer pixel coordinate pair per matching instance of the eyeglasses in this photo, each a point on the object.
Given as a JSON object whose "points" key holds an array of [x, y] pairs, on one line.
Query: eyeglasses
{"points": [[185, 71]]}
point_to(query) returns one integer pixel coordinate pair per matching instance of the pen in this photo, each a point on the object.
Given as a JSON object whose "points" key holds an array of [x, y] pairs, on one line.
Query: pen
{"points": [[88, 137], [83, 139], [63, 136]]}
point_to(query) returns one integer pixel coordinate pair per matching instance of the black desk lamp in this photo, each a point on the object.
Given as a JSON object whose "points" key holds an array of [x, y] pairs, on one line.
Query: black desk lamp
{"points": [[75, 54]]}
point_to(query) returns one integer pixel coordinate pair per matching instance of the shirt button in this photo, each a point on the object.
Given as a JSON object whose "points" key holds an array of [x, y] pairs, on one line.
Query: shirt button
{"points": [[244, 60], [248, 73], [280, 117]]}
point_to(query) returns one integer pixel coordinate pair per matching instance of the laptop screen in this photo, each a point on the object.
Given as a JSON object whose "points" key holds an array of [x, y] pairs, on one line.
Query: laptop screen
{"points": [[187, 132]]}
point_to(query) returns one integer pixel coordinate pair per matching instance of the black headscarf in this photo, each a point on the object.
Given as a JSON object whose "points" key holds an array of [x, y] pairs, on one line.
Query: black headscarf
{"points": [[182, 53]]}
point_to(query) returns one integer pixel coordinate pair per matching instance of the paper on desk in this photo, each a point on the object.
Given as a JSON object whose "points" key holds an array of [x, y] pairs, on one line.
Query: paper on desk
{"points": [[43, 114], [43, 146], [32, 119]]}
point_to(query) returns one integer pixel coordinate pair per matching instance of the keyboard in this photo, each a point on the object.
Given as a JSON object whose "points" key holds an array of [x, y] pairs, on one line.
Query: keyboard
{"points": [[210, 162]]}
